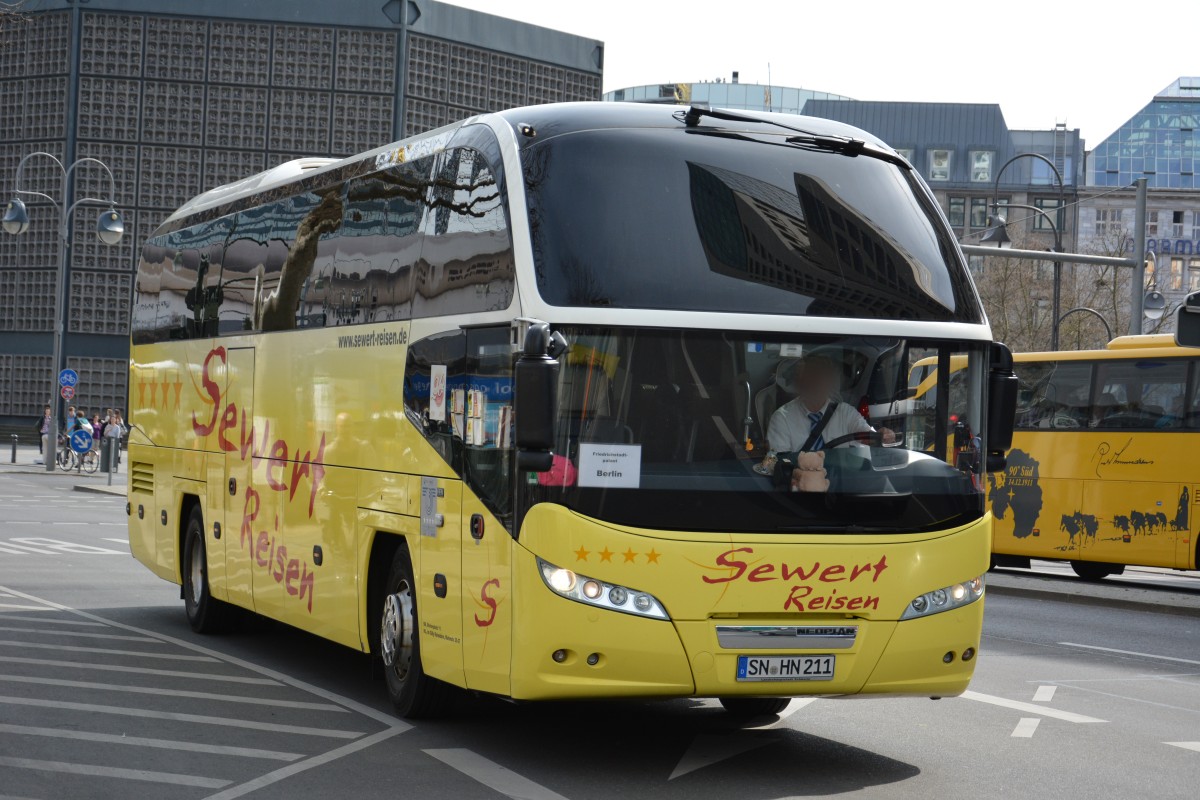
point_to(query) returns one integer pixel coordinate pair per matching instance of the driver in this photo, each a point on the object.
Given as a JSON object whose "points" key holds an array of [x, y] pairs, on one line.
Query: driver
{"points": [[814, 379]]}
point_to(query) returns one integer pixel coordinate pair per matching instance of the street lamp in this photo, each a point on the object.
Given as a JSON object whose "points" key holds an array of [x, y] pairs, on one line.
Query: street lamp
{"points": [[110, 227], [1093, 312], [1002, 237], [1154, 305]]}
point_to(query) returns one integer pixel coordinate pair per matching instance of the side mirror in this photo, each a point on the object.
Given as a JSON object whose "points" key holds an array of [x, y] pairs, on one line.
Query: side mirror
{"points": [[1187, 329], [1002, 407], [537, 397]]}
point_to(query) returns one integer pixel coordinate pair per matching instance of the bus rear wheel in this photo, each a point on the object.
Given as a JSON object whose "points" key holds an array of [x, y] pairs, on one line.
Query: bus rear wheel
{"points": [[413, 693], [755, 706], [1095, 571], [205, 613]]}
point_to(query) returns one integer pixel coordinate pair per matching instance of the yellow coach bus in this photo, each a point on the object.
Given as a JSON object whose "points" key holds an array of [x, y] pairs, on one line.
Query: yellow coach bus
{"points": [[494, 404], [1100, 471]]}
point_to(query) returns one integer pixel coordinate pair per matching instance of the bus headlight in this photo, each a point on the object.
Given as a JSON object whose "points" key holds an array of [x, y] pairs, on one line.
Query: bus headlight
{"points": [[944, 599], [593, 592]]}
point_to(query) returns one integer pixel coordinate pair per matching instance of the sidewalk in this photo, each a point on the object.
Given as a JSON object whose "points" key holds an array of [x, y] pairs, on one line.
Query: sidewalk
{"points": [[29, 462]]}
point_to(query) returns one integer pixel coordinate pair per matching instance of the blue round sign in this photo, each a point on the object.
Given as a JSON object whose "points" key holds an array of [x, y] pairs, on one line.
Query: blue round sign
{"points": [[81, 441], [68, 377]]}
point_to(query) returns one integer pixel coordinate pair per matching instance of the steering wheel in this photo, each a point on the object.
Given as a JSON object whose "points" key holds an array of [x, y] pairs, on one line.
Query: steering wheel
{"points": [[873, 438]]}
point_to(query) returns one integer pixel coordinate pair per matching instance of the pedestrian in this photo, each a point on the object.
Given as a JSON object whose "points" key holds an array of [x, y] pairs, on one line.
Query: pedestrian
{"points": [[69, 423], [116, 430], [43, 429], [81, 423], [97, 430]]}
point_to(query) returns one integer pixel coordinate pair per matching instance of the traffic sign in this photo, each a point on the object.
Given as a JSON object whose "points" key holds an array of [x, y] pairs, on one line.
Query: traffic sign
{"points": [[68, 377], [81, 441], [67, 392]]}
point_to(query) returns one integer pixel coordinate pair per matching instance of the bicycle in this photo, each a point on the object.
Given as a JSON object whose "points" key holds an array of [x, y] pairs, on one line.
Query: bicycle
{"points": [[67, 459]]}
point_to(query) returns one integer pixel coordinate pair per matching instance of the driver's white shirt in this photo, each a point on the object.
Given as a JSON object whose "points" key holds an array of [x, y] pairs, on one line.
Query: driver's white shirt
{"points": [[789, 426]]}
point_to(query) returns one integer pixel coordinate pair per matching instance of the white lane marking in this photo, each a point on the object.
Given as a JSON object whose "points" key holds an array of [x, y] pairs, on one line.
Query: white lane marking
{"points": [[1044, 694], [81, 634], [195, 676], [707, 749], [308, 763], [493, 776], [118, 541], [114, 525], [1137, 699], [141, 741], [1026, 727], [5, 616], [105, 651], [274, 676], [20, 607], [199, 719], [1130, 653], [59, 546], [228, 698], [796, 704], [1028, 708], [1186, 745], [114, 772]]}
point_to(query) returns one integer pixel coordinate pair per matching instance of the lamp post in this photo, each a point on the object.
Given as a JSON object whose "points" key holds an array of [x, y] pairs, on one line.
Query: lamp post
{"points": [[999, 235], [1093, 312], [109, 229]]}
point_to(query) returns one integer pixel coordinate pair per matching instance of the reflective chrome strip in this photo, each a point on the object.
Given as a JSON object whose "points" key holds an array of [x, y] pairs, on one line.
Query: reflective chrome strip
{"points": [[786, 637]]}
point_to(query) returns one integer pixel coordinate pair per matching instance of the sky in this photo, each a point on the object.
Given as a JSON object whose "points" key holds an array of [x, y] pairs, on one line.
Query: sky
{"points": [[1091, 65]]}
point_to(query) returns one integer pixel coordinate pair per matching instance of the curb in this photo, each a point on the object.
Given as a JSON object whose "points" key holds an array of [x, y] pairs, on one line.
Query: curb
{"points": [[113, 490], [1116, 596]]}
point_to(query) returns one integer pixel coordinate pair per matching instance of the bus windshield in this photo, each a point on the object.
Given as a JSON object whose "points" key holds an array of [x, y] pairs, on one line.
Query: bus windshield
{"points": [[717, 221], [702, 430]]}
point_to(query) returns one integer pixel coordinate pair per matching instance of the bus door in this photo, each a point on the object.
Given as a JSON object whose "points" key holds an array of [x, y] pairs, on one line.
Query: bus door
{"points": [[486, 599], [237, 543], [441, 590]]}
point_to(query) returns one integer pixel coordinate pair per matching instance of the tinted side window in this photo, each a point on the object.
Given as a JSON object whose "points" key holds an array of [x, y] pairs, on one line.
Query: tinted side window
{"points": [[1053, 394], [1146, 393], [466, 258]]}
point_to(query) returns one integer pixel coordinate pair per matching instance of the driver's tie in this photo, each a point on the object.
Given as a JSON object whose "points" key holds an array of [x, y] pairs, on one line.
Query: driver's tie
{"points": [[814, 419]]}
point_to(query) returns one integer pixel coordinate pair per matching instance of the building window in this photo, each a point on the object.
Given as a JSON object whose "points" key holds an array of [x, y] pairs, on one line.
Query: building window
{"points": [[1108, 221], [1176, 274], [1176, 224], [1152, 224], [939, 165], [981, 166], [979, 212], [957, 212], [1054, 211], [1194, 275], [907, 153]]}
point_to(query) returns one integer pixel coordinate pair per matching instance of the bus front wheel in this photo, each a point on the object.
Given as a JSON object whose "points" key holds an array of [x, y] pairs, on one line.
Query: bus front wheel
{"points": [[1094, 571], [755, 706], [413, 693], [205, 613]]}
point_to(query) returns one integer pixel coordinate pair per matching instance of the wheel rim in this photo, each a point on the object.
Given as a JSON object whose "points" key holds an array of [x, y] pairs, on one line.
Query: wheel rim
{"points": [[395, 634], [196, 571]]}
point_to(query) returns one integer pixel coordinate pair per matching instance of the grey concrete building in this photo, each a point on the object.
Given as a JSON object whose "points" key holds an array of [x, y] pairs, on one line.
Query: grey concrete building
{"points": [[180, 96]]}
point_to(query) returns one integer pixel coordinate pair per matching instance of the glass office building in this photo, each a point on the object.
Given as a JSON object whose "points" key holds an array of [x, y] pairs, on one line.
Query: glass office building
{"points": [[1159, 142], [178, 97]]}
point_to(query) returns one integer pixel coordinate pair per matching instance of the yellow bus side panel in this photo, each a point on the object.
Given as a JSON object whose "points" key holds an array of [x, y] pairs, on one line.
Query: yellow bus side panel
{"points": [[440, 618], [487, 601], [1104, 496]]}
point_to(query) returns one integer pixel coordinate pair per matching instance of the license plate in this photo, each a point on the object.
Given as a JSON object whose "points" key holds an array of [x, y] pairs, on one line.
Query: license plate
{"points": [[785, 668]]}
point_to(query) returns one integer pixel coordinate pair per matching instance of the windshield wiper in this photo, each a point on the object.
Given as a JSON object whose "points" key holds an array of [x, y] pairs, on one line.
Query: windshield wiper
{"points": [[846, 145]]}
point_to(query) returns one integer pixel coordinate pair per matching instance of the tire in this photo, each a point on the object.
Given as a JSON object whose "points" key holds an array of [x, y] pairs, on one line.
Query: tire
{"points": [[755, 706], [414, 694], [1095, 571], [90, 461], [205, 613], [65, 459]]}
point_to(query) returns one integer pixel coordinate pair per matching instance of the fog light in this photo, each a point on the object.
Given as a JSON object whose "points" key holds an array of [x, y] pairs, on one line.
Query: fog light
{"points": [[592, 589], [968, 654], [563, 580], [559, 656], [642, 602], [593, 659], [946, 659], [617, 596]]}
